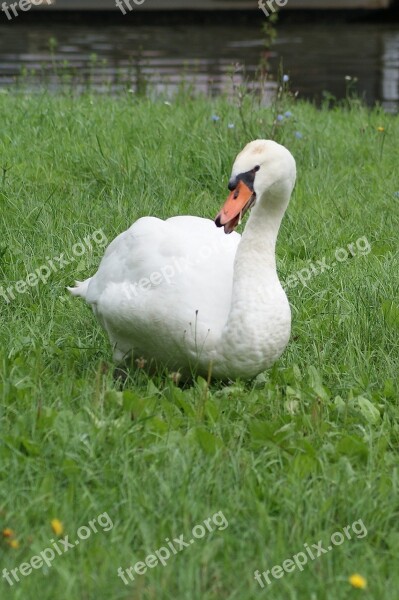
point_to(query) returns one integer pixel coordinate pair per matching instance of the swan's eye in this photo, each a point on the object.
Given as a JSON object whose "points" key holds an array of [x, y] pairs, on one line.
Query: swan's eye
{"points": [[256, 168]]}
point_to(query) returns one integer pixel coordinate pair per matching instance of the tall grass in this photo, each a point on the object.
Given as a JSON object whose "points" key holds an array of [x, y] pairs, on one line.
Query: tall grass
{"points": [[290, 458]]}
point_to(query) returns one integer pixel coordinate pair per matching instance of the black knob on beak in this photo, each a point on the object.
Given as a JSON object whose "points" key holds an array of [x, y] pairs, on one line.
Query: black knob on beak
{"points": [[232, 184]]}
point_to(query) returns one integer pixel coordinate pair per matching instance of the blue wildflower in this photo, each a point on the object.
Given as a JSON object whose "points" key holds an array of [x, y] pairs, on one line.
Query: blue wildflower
{"points": [[286, 78], [298, 135], [288, 114], [280, 118], [215, 118], [231, 125]]}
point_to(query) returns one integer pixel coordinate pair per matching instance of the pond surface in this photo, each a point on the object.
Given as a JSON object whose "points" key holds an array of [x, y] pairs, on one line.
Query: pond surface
{"points": [[317, 55]]}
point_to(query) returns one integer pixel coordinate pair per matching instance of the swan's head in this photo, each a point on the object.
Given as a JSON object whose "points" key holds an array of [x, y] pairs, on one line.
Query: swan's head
{"points": [[264, 172]]}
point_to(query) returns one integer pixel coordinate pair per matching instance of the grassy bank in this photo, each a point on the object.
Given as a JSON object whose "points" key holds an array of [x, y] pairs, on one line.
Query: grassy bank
{"points": [[307, 449]]}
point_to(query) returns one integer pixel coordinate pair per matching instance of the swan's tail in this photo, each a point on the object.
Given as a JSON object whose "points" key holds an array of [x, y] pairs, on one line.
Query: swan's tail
{"points": [[80, 289]]}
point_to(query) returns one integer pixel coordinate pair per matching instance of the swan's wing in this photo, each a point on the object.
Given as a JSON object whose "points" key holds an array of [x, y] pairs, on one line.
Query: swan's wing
{"points": [[178, 271]]}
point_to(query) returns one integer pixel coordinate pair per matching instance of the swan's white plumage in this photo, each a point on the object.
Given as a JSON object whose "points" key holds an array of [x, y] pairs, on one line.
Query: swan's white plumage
{"points": [[164, 289], [166, 285]]}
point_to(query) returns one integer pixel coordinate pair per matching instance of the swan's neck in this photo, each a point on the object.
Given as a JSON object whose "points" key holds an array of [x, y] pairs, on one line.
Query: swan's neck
{"points": [[257, 249], [259, 317]]}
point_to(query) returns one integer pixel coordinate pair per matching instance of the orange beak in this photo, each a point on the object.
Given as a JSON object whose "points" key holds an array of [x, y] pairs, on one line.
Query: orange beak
{"points": [[235, 206]]}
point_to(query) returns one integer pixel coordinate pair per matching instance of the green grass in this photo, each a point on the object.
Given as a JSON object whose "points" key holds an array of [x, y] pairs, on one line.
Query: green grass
{"points": [[303, 451]]}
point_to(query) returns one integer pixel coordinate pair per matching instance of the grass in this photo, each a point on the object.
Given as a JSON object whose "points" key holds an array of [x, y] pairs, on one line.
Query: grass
{"points": [[301, 452]]}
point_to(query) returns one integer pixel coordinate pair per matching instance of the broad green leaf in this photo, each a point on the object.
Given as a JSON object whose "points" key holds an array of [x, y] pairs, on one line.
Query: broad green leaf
{"points": [[368, 410], [208, 441]]}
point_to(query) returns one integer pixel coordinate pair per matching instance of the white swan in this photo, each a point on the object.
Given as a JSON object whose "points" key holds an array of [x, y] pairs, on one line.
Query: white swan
{"points": [[183, 294]]}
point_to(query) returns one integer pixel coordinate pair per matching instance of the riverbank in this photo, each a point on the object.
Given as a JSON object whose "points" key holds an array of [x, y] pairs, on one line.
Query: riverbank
{"points": [[203, 55]]}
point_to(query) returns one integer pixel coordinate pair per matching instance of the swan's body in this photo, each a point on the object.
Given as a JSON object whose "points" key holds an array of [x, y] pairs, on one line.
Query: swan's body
{"points": [[183, 294]]}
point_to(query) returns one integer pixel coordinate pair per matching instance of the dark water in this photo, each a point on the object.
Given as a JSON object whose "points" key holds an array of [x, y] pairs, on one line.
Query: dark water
{"points": [[317, 55]]}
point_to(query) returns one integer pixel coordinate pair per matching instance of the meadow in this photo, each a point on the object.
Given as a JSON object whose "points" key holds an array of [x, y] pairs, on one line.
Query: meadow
{"points": [[303, 451]]}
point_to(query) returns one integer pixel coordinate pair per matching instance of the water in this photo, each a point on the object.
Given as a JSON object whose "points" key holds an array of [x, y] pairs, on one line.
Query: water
{"points": [[317, 55]]}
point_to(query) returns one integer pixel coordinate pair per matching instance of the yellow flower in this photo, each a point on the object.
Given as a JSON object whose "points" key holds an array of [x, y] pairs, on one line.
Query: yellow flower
{"points": [[8, 533], [381, 129], [57, 527], [13, 544], [357, 581]]}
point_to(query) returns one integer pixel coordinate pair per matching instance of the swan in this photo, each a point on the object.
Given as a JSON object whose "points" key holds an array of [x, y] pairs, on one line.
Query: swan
{"points": [[182, 294]]}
